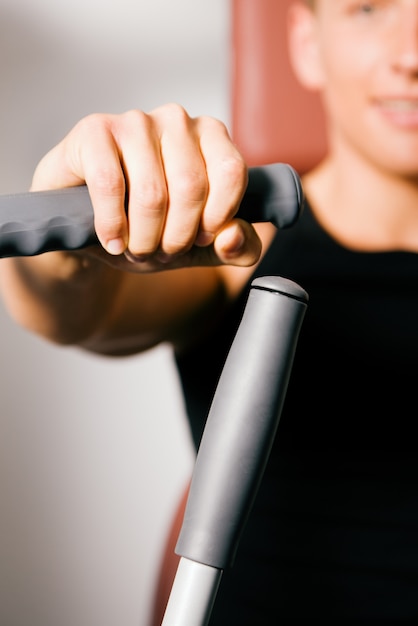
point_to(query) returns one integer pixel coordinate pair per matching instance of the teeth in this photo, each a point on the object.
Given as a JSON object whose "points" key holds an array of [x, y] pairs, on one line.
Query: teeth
{"points": [[401, 105]]}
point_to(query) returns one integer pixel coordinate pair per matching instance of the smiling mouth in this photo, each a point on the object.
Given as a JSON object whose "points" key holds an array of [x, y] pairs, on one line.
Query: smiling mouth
{"points": [[400, 105]]}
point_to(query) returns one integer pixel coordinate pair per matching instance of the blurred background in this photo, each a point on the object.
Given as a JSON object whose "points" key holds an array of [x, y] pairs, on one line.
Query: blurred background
{"points": [[94, 452]]}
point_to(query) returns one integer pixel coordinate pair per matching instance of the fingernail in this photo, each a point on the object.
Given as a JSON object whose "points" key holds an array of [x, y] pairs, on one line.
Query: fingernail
{"points": [[115, 246], [204, 238], [236, 244], [135, 258], [163, 257]]}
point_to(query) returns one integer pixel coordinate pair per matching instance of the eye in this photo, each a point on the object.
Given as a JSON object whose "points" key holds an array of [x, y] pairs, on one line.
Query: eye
{"points": [[376, 9], [366, 7], [357, 8]]}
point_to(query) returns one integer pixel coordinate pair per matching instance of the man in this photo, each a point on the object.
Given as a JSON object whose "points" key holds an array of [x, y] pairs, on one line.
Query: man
{"points": [[333, 532]]}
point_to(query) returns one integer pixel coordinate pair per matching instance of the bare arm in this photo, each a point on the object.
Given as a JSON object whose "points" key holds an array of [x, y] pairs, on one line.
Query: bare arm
{"points": [[157, 275]]}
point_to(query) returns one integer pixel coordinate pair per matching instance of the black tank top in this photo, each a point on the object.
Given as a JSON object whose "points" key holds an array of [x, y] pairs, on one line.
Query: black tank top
{"points": [[334, 531]]}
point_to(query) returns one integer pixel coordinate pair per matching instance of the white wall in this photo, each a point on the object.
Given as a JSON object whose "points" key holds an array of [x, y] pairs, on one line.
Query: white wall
{"points": [[93, 452]]}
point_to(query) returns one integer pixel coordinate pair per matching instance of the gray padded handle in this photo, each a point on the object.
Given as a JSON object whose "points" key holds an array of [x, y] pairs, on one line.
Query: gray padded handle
{"points": [[35, 222], [41, 221], [242, 422]]}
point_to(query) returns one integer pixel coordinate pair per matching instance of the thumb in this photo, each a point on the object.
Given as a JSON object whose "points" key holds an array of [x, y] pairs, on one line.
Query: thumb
{"points": [[237, 244]]}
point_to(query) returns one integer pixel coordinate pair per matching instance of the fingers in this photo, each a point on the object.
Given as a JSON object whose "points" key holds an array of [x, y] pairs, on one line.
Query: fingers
{"points": [[227, 177], [237, 244], [205, 178], [90, 154], [97, 155], [186, 179], [162, 185], [140, 154]]}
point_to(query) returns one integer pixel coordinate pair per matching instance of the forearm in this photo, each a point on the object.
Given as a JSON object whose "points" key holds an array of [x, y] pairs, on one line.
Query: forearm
{"points": [[64, 297], [73, 299]]}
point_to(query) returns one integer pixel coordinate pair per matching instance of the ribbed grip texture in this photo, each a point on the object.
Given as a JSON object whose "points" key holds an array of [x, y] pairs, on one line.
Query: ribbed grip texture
{"points": [[41, 221], [36, 222]]}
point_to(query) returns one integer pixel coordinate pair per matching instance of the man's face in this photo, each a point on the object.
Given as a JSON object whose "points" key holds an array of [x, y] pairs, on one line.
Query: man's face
{"points": [[368, 53]]}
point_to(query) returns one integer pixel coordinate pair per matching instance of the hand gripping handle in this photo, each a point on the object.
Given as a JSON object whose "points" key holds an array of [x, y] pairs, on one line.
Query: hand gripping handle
{"points": [[35, 222]]}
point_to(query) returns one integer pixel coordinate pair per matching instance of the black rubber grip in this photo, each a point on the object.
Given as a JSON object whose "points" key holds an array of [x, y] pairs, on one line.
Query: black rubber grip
{"points": [[35, 222]]}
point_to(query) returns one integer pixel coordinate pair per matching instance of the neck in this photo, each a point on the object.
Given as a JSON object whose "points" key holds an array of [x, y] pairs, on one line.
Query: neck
{"points": [[368, 209]]}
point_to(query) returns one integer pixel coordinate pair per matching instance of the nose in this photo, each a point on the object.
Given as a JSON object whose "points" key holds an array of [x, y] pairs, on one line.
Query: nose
{"points": [[406, 55]]}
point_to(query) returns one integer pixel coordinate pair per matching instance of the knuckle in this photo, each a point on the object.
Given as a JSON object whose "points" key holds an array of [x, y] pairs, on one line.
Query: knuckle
{"points": [[135, 118], [211, 124], [108, 183], [191, 185], [109, 226], [213, 127], [92, 124], [233, 169], [150, 198], [110, 223], [174, 111]]}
